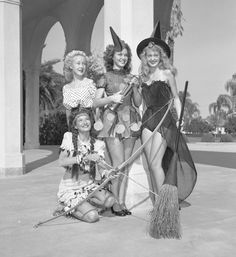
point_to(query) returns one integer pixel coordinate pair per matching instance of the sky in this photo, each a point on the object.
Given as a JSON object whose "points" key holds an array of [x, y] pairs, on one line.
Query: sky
{"points": [[205, 55]]}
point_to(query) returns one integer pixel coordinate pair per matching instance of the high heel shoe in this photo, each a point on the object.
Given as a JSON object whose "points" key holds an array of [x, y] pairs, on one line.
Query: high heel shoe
{"points": [[127, 212], [118, 213]]}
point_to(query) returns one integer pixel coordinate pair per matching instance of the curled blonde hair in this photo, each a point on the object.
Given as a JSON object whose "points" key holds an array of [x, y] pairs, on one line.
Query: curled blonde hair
{"points": [[164, 63], [67, 70]]}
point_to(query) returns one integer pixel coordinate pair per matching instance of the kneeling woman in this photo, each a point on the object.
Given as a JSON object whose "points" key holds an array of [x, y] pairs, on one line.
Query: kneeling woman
{"points": [[81, 155]]}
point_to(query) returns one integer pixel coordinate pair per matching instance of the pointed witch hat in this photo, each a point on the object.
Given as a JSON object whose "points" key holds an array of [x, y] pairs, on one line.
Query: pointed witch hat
{"points": [[156, 39], [118, 43]]}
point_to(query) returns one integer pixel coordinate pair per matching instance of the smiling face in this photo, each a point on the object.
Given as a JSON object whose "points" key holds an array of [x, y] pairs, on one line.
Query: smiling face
{"points": [[83, 123], [79, 66], [153, 57], [120, 59]]}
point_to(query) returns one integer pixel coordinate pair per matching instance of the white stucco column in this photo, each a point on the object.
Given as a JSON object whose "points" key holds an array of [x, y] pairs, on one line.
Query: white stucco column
{"points": [[132, 20], [31, 108], [11, 156]]}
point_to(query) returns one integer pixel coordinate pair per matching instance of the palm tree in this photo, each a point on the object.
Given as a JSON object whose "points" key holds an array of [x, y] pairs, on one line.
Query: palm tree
{"points": [[50, 84], [230, 86], [191, 110], [219, 110]]}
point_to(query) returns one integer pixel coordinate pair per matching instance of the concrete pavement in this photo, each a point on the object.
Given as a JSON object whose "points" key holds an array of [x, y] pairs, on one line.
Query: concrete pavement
{"points": [[208, 224]]}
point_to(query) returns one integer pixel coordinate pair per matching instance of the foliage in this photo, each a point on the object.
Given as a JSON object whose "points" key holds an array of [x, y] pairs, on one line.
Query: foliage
{"points": [[219, 110], [198, 125], [191, 110], [230, 86], [230, 125], [208, 138], [226, 138], [175, 21], [223, 103], [52, 129], [50, 87]]}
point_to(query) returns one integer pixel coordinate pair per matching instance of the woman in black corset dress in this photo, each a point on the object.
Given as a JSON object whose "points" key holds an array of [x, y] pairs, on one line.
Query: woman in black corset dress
{"points": [[158, 87]]}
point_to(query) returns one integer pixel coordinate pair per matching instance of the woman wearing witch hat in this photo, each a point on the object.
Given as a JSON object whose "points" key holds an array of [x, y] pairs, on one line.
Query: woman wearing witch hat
{"points": [[158, 87], [121, 122]]}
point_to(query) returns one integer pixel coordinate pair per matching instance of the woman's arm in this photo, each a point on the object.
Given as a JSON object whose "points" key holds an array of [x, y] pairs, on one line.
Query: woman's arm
{"points": [[173, 86], [137, 97], [65, 160], [100, 101]]}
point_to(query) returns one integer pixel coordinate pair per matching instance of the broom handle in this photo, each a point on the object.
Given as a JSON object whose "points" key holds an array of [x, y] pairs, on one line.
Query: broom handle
{"points": [[181, 116]]}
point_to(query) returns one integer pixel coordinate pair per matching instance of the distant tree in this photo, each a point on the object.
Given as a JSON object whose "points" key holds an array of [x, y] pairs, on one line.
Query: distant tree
{"points": [[50, 89], [230, 86], [230, 124], [198, 125], [50, 86], [223, 105], [191, 110]]}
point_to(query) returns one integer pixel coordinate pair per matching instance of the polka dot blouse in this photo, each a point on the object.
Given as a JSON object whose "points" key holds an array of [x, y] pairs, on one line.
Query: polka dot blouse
{"points": [[82, 93]]}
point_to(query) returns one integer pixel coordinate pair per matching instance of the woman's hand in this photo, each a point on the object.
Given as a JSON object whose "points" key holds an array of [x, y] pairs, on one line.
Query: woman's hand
{"points": [[117, 97], [134, 81], [92, 157]]}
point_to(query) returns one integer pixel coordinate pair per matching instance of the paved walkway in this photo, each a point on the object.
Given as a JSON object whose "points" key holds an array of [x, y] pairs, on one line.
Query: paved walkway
{"points": [[208, 225]]}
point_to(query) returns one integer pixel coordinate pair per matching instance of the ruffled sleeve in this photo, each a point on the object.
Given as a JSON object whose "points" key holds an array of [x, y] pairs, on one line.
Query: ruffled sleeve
{"points": [[102, 82], [67, 142]]}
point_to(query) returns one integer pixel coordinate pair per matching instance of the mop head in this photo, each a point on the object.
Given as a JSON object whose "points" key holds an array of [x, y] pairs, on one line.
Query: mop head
{"points": [[165, 218]]}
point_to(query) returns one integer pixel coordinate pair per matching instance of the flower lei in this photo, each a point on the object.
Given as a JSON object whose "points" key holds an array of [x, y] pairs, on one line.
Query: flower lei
{"points": [[84, 165]]}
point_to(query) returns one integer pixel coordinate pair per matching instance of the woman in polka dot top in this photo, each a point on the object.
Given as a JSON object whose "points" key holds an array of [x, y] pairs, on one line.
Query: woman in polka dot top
{"points": [[80, 90]]}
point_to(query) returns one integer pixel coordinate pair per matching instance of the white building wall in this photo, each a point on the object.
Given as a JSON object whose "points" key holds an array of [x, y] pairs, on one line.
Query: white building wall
{"points": [[11, 156]]}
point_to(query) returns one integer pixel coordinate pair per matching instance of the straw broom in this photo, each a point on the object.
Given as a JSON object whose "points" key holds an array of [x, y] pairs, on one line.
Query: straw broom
{"points": [[165, 217]]}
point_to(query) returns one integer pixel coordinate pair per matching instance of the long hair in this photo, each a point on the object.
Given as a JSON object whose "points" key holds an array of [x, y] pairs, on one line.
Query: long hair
{"points": [[164, 63], [108, 58], [74, 112]]}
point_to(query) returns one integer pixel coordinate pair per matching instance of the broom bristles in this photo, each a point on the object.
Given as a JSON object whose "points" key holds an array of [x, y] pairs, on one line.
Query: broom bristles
{"points": [[165, 218]]}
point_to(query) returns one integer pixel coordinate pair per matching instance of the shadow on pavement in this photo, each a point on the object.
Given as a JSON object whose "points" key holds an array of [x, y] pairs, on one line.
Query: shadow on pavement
{"points": [[54, 149]]}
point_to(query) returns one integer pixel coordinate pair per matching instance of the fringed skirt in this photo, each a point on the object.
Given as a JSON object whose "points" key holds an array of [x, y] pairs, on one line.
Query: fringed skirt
{"points": [[72, 192]]}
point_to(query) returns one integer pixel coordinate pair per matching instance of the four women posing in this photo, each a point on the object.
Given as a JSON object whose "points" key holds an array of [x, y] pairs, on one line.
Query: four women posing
{"points": [[118, 94]]}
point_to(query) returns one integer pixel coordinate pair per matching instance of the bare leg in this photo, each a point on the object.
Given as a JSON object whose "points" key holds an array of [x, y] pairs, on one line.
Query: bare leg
{"points": [[128, 148], [116, 151], [150, 178], [154, 152], [86, 212], [103, 198]]}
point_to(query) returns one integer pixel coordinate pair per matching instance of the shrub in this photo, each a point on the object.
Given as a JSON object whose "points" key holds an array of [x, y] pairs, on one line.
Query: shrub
{"points": [[226, 138], [51, 131], [208, 138]]}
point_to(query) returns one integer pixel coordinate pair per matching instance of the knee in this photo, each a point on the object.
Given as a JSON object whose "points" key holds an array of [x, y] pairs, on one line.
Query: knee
{"points": [[91, 216], [156, 165], [110, 200]]}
